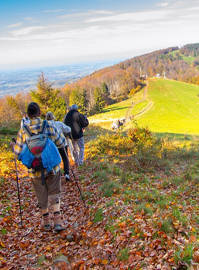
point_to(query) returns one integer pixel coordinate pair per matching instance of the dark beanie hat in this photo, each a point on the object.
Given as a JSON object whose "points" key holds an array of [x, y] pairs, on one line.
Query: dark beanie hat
{"points": [[33, 110]]}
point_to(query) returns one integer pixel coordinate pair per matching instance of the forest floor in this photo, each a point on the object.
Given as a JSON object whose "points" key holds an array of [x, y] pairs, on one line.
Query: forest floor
{"points": [[141, 210]]}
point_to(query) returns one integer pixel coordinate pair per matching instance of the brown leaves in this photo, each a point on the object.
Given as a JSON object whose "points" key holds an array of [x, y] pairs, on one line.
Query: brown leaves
{"points": [[61, 266], [2, 244], [142, 237], [192, 239], [24, 244], [61, 263], [196, 256]]}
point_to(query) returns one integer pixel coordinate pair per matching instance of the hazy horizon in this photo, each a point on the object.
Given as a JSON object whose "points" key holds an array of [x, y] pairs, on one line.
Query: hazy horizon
{"points": [[41, 67], [24, 80]]}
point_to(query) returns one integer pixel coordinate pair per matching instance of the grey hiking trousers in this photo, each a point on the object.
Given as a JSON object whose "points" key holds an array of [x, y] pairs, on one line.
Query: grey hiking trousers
{"points": [[78, 150]]}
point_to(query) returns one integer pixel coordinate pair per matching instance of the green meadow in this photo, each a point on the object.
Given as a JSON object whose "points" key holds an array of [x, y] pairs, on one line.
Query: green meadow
{"points": [[168, 106], [175, 107]]}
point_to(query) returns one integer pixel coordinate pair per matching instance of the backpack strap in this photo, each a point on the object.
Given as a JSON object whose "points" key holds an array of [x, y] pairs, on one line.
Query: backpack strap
{"points": [[27, 130]]}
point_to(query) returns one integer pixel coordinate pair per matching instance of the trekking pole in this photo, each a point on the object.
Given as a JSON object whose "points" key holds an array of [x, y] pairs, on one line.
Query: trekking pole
{"points": [[76, 182], [80, 192], [17, 178]]}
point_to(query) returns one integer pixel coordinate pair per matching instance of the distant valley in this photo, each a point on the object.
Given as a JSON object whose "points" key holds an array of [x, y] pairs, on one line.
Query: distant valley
{"points": [[13, 82]]}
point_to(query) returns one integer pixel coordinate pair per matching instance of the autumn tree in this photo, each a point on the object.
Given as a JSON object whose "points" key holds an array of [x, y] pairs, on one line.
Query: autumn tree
{"points": [[12, 108], [7, 113], [48, 98], [99, 99], [85, 108], [79, 97]]}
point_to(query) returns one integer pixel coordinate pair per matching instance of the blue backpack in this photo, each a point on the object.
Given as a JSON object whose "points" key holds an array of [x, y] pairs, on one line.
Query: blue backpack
{"points": [[39, 152]]}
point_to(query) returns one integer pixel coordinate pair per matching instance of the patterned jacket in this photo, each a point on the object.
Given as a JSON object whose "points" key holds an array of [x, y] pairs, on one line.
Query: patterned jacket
{"points": [[35, 127]]}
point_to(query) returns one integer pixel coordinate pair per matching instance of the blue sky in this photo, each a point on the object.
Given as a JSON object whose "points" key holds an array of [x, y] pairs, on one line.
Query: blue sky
{"points": [[46, 32]]}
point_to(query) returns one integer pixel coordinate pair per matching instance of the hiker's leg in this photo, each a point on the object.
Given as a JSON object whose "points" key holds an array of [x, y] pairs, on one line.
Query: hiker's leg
{"points": [[41, 193], [46, 224], [42, 196], [54, 189], [76, 151], [66, 165], [63, 153], [53, 182], [81, 150]]}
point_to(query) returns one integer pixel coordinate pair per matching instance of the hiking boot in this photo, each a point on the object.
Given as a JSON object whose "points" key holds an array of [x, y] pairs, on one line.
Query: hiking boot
{"points": [[46, 222], [67, 177], [58, 224]]}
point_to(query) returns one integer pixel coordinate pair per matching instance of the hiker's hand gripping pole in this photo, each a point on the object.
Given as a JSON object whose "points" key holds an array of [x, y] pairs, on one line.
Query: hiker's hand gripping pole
{"points": [[17, 178]]}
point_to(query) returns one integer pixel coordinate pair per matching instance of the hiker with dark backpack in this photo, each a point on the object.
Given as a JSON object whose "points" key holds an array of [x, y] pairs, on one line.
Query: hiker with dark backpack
{"points": [[78, 122], [36, 146], [65, 130]]}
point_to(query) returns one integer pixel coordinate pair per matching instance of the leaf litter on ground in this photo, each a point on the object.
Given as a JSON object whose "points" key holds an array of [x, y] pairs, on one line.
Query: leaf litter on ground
{"points": [[147, 220]]}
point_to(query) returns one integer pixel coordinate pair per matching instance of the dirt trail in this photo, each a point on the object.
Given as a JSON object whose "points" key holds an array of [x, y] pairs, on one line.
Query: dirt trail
{"points": [[128, 115], [147, 108], [145, 97], [103, 120], [26, 244]]}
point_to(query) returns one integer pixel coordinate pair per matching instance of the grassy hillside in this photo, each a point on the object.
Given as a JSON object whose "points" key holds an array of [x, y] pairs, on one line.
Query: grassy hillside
{"points": [[165, 106], [175, 107]]}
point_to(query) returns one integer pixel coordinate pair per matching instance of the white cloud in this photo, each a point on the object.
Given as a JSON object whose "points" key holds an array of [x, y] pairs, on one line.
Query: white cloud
{"points": [[26, 31], [182, 4], [133, 16], [15, 25], [163, 4], [96, 33], [104, 12]]}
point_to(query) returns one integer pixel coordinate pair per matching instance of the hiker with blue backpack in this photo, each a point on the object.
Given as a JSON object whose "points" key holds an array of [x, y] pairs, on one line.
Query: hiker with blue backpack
{"points": [[65, 130], [36, 146]]}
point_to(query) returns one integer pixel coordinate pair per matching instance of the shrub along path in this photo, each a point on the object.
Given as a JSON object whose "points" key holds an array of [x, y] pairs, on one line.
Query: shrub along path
{"points": [[142, 210]]}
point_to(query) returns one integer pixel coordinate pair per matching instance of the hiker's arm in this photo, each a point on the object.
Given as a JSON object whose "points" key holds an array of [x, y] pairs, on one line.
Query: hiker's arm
{"points": [[83, 120], [56, 137], [66, 129]]}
